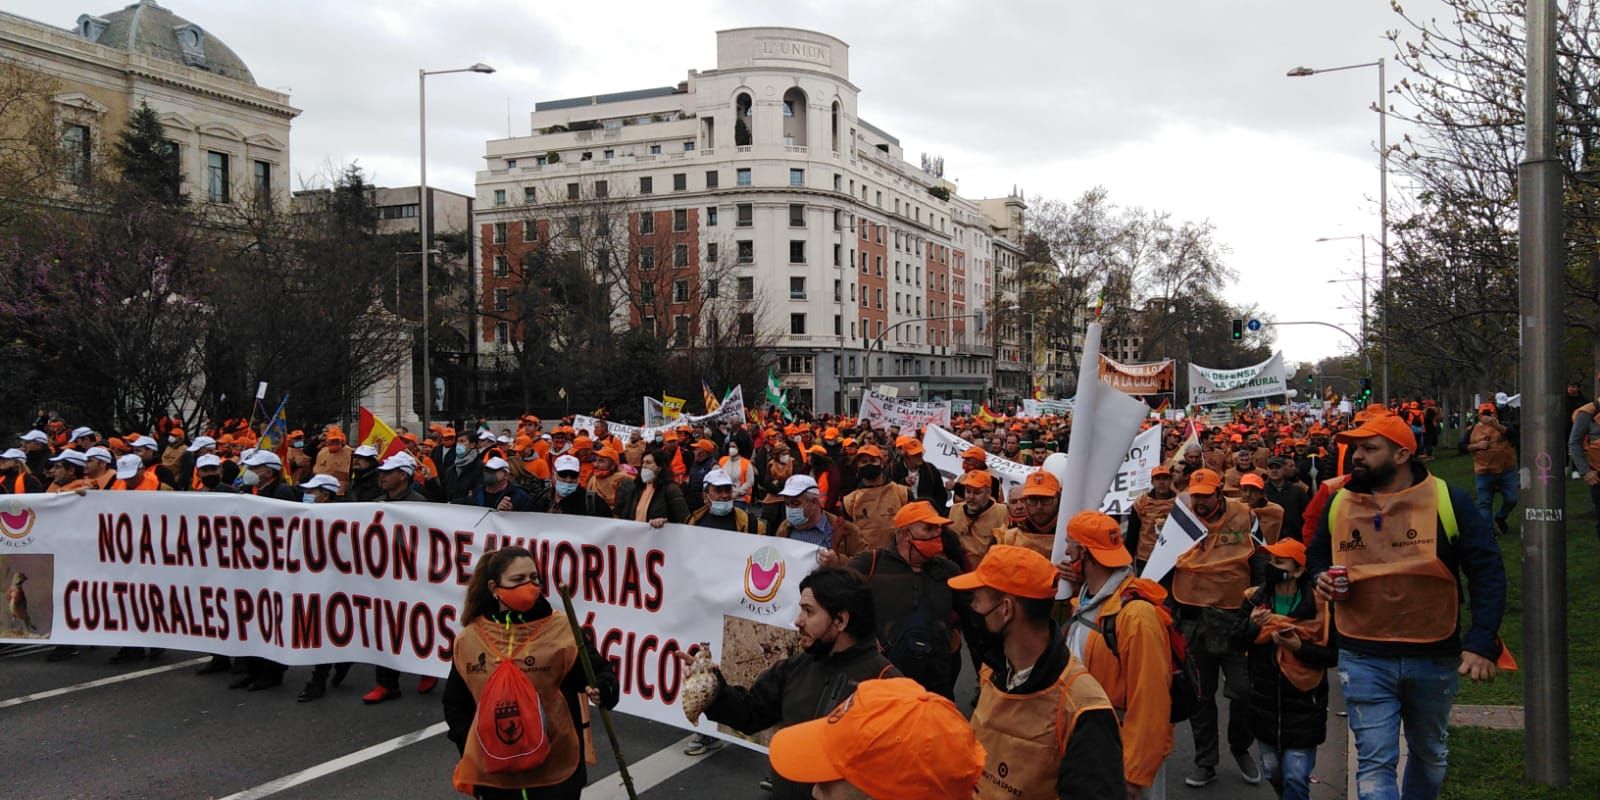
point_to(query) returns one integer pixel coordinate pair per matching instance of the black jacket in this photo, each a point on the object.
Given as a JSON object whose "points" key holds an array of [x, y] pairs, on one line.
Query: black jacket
{"points": [[520, 500], [667, 502], [1280, 714], [1092, 765], [801, 688], [277, 490], [917, 614], [930, 484], [460, 707], [1294, 499]]}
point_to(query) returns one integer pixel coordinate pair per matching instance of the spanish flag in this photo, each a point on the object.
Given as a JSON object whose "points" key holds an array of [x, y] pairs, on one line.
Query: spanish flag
{"points": [[985, 415], [710, 399], [376, 432]]}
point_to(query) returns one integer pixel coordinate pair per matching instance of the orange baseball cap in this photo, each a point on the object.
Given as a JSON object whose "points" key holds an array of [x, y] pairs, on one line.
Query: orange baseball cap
{"points": [[892, 738], [610, 451], [1204, 481], [1011, 569], [975, 453], [706, 446], [1041, 483], [830, 433], [977, 479], [582, 442], [918, 511], [1160, 470], [910, 447], [1101, 536], [1289, 547], [817, 450], [1388, 426], [869, 451], [1254, 480]]}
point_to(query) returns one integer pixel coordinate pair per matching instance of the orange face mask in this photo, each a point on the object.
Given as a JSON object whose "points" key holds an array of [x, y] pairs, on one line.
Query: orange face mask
{"points": [[519, 598]]}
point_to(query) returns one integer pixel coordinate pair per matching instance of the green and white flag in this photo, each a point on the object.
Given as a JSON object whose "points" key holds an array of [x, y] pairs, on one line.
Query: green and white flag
{"points": [[775, 394]]}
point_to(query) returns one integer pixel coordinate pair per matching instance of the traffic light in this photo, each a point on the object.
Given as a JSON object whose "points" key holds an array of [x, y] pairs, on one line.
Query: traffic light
{"points": [[1311, 380], [1366, 388], [1238, 329]]}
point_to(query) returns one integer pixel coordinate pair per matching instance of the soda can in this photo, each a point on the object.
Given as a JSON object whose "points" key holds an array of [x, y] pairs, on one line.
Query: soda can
{"points": [[1340, 576]]}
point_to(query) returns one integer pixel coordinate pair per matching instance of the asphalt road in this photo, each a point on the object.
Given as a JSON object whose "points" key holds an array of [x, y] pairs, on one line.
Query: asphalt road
{"points": [[153, 729]]}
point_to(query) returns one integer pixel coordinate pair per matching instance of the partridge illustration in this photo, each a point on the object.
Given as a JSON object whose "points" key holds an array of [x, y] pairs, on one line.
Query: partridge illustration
{"points": [[17, 599], [701, 687]]}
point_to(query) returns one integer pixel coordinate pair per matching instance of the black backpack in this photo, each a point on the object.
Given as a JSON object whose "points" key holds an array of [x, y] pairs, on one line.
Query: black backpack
{"points": [[1185, 683]]}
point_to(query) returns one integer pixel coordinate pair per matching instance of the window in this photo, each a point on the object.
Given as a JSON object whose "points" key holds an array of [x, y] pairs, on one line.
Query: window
{"points": [[502, 299], [711, 216], [680, 290], [655, 149], [680, 219], [646, 185], [747, 216], [742, 176], [216, 174], [680, 255], [880, 302], [602, 189], [797, 251], [711, 179], [747, 288], [838, 330], [647, 293], [838, 255], [711, 288], [499, 233], [797, 288], [574, 225], [747, 251], [877, 265], [541, 160], [499, 196], [608, 154], [863, 262], [878, 196], [711, 252], [572, 190], [588, 155], [797, 215], [797, 324], [838, 291], [500, 269], [647, 258], [529, 196], [647, 222], [502, 332], [263, 175], [688, 147], [747, 324], [647, 322], [680, 181], [838, 182], [76, 148], [680, 331], [797, 177]]}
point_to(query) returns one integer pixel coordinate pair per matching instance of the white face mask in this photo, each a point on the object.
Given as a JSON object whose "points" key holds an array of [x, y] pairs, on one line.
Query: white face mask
{"points": [[647, 475]]}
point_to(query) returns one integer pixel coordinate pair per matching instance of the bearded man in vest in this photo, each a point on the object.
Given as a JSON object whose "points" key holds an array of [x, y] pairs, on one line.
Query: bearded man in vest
{"points": [[1150, 514], [1041, 501], [1133, 661], [1494, 462], [975, 519], [1208, 585], [873, 505], [1269, 515], [1404, 536], [1583, 447], [1046, 726]]}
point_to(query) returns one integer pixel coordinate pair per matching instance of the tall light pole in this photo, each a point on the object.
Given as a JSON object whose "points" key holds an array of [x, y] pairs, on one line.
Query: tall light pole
{"points": [[422, 220], [1383, 199], [1363, 238], [877, 343]]}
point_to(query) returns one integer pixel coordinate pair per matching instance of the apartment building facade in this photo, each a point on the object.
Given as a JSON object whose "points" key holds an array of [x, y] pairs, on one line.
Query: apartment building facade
{"points": [[760, 176]]}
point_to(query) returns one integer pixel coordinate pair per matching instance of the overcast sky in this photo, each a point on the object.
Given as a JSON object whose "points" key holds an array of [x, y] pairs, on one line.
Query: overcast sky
{"points": [[1180, 106]]}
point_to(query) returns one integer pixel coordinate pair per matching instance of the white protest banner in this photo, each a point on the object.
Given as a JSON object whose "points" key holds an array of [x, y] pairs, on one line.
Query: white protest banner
{"points": [[379, 583], [1038, 408], [1155, 378], [882, 412], [1181, 533], [1220, 416], [1207, 386], [1133, 476], [943, 450]]}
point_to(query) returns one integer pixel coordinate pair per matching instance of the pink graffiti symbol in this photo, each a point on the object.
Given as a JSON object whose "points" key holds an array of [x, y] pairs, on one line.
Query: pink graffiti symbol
{"points": [[1543, 462]]}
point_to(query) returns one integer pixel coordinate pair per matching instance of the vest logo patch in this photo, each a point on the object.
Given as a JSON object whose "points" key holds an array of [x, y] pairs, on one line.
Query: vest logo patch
{"points": [[1411, 533], [508, 722], [1004, 769], [1354, 543], [482, 664]]}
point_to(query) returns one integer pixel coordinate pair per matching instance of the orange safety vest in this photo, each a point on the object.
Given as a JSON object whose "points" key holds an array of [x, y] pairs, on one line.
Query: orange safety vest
{"points": [[1399, 589], [1153, 513], [1024, 736], [546, 651], [744, 471], [1300, 675], [21, 484], [1591, 444], [1041, 543], [1270, 515], [1215, 572], [74, 486], [147, 482], [872, 509], [976, 534]]}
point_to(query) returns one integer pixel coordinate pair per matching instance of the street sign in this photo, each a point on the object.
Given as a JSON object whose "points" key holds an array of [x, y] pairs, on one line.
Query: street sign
{"points": [[1254, 325], [562, 393]]}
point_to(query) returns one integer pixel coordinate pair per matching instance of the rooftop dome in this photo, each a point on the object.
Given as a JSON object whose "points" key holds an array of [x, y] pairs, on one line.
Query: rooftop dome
{"points": [[151, 30]]}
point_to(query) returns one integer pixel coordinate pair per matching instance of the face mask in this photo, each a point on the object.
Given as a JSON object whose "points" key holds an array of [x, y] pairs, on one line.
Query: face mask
{"points": [[721, 508], [308, 498], [492, 478], [173, 440], [871, 472], [783, 459], [298, 445], [1277, 575], [795, 516], [928, 547], [461, 449], [647, 475], [733, 452], [250, 478], [210, 481], [562, 448], [519, 598], [565, 488]]}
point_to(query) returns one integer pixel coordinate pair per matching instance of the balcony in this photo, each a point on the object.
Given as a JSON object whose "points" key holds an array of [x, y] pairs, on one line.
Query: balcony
{"points": [[982, 351]]}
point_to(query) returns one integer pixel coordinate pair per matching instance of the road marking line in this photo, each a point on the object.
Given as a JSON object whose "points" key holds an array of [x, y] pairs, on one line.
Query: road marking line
{"points": [[29, 698], [309, 774], [23, 650], [654, 770]]}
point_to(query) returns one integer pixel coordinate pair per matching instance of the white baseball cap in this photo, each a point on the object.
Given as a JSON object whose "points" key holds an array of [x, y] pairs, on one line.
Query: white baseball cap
{"points": [[366, 451], [503, 439], [798, 485], [568, 464], [73, 457], [129, 466], [144, 441], [207, 460], [327, 482], [486, 434], [79, 433], [718, 477], [13, 455], [35, 436], [201, 443], [100, 454], [264, 458], [496, 463], [399, 461]]}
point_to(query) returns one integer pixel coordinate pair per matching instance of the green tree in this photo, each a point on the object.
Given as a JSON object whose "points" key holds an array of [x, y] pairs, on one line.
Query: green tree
{"points": [[148, 162]]}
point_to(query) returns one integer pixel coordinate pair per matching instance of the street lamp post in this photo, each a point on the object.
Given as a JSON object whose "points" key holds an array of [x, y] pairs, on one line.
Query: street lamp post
{"points": [[1383, 199], [877, 343], [1363, 238], [422, 220]]}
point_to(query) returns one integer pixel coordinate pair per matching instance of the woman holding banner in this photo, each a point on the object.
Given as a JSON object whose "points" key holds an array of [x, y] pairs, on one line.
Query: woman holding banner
{"points": [[506, 616]]}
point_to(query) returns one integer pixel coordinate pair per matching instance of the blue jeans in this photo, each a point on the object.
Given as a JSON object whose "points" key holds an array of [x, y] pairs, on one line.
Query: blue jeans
{"points": [[1289, 772], [1506, 483], [1381, 693]]}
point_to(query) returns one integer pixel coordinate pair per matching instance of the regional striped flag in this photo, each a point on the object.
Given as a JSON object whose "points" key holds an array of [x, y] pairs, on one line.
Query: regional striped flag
{"points": [[1181, 533]]}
